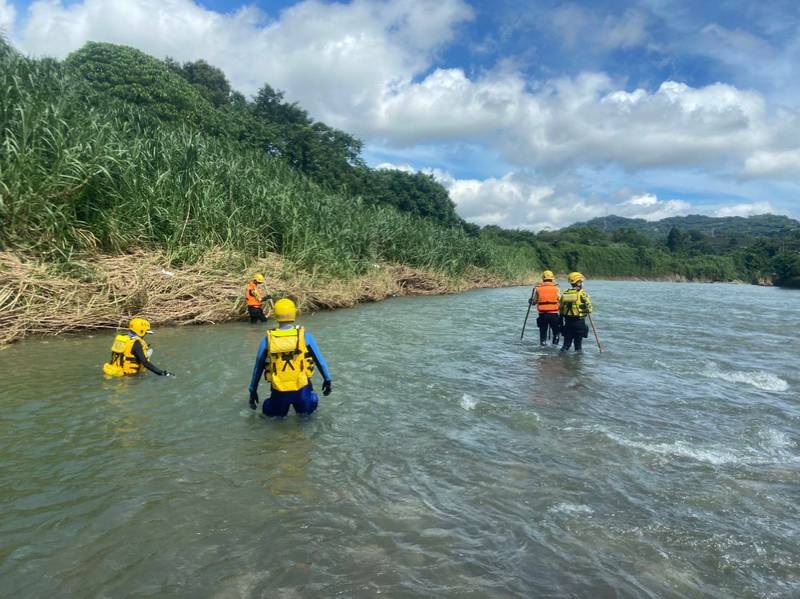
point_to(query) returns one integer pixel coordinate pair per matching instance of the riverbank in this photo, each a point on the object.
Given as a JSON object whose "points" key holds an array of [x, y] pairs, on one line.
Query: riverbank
{"points": [[103, 291]]}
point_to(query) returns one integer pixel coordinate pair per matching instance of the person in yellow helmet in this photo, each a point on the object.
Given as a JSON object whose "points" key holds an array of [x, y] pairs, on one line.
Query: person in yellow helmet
{"points": [[130, 353], [574, 306], [254, 296], [287, 356], [546, 299]]}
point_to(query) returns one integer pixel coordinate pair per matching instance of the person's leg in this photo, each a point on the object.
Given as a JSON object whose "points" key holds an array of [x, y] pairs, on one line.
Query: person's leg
{"points": [[251, 312], [306, 402], [578, 343], [567, 340], [276, 405], [555, 327], [261, 316]]}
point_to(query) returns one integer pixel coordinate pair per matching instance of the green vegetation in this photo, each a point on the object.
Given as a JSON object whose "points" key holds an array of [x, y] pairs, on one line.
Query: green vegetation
{"points": [[113, 150]]}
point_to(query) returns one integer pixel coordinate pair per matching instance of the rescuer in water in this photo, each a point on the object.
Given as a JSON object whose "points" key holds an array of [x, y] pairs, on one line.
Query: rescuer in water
{"points": [[130, 353], [254, 295], [287, 356], [546, 299], [575, 305]]}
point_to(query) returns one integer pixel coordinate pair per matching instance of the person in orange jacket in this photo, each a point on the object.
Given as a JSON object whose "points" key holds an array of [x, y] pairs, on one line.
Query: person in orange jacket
{"points": [[254, 296], [546, 299]]}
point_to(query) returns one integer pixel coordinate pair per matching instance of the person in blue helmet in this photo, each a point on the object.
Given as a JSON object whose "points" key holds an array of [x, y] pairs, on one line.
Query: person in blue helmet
{"points": [[287, 356]]}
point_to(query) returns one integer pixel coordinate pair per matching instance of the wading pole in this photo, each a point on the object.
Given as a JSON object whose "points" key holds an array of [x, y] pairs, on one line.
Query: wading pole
{"points": [[271, 308], [594, 330], [528, 314]]}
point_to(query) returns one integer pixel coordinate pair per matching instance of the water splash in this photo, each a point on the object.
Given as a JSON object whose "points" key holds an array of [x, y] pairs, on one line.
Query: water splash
{"points": [[468, 402], [571, 508]]}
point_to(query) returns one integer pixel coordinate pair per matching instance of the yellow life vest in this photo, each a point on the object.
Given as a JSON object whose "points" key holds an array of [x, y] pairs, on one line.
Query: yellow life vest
{"points": [[289, 363], [575, 302], [123, 362]]}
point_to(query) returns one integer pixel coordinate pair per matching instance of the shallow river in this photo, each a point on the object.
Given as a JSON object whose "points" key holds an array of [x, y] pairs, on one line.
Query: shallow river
{"points": [[451, 460]]}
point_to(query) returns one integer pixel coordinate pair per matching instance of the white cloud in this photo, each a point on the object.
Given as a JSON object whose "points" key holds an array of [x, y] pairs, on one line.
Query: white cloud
{"points": [[8, 15], [649, 207], [519, 201], [575, 25], [778, 164], [745, 209]]}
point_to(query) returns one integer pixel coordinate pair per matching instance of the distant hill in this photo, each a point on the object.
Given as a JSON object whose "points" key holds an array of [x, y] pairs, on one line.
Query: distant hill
{"points": [[762, 225]]}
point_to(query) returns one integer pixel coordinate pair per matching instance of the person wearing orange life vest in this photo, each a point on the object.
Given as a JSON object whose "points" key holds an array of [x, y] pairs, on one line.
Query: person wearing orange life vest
{"points": [[254, 297], [575, 306], [546, 297], [286, 357], [130, 353]]}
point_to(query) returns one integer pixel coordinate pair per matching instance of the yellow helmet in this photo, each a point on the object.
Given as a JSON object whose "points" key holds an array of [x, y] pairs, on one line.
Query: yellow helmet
{"points": [[548, 276], [285, 310], [574, 277], [139, 326], [258, 277]]}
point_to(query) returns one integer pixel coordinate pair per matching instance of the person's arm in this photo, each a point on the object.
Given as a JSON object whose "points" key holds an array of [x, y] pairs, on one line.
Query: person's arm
{"points": [[258, 369], [319, 360], [138, 353], [535, 295], [587, 302]]}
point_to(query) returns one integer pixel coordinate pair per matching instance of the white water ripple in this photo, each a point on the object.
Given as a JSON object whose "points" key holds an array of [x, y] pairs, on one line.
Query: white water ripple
{"points": [[773, 446], [766, 381]]}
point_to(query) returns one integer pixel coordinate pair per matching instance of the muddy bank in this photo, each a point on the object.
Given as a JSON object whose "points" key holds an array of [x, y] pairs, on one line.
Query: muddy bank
{"points": [[105, 291]]}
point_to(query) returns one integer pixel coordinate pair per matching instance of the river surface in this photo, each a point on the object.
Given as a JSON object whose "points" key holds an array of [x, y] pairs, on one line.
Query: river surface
{"points": [[451, 460]]}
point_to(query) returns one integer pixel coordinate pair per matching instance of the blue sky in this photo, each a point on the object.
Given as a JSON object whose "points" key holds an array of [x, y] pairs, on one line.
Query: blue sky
{"points": [[534, 114]]}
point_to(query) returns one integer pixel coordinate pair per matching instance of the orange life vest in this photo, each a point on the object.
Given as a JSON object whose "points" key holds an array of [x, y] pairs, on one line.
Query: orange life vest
{"points": [[252, 302], [547, 297]]}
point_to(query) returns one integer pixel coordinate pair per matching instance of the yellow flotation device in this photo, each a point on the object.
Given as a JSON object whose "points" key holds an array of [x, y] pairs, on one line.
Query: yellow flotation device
{"points": [[123, 362], [575, 302], [289, 363]]}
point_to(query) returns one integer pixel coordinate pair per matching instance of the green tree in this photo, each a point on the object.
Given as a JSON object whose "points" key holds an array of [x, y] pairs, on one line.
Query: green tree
{"points": [[676, 240], [108, 74], [208, 80]]}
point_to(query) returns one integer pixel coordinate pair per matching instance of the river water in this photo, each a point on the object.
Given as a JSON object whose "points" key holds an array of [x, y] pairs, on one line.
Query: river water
{"points": [[451, 460]]}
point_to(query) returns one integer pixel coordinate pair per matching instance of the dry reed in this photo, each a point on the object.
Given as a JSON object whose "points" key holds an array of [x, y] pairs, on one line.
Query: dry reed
{"points": [[38, 298]]}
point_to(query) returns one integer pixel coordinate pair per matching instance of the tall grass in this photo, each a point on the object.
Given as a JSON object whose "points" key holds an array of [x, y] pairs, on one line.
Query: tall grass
{"points": [[74, 179]]}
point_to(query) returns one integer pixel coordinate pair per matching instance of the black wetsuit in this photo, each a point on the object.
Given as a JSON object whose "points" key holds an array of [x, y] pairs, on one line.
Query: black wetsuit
{"points": [[138, 353], [548, 320], [574, 330], [256, 314]]}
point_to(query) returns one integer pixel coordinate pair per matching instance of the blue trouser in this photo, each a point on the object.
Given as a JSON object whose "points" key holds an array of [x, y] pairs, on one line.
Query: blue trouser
{"points": [[304, 401]]}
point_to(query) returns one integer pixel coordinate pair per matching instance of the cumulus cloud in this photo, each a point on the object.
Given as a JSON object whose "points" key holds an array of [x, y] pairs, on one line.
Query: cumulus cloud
{"points": [[778, 164], [746, 209], [522, 201], [649, 207]]}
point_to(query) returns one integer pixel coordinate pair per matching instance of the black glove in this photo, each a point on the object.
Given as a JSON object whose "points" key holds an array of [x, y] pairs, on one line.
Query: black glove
{"points": [[253, 400], [326, 387], [530, 301]]}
